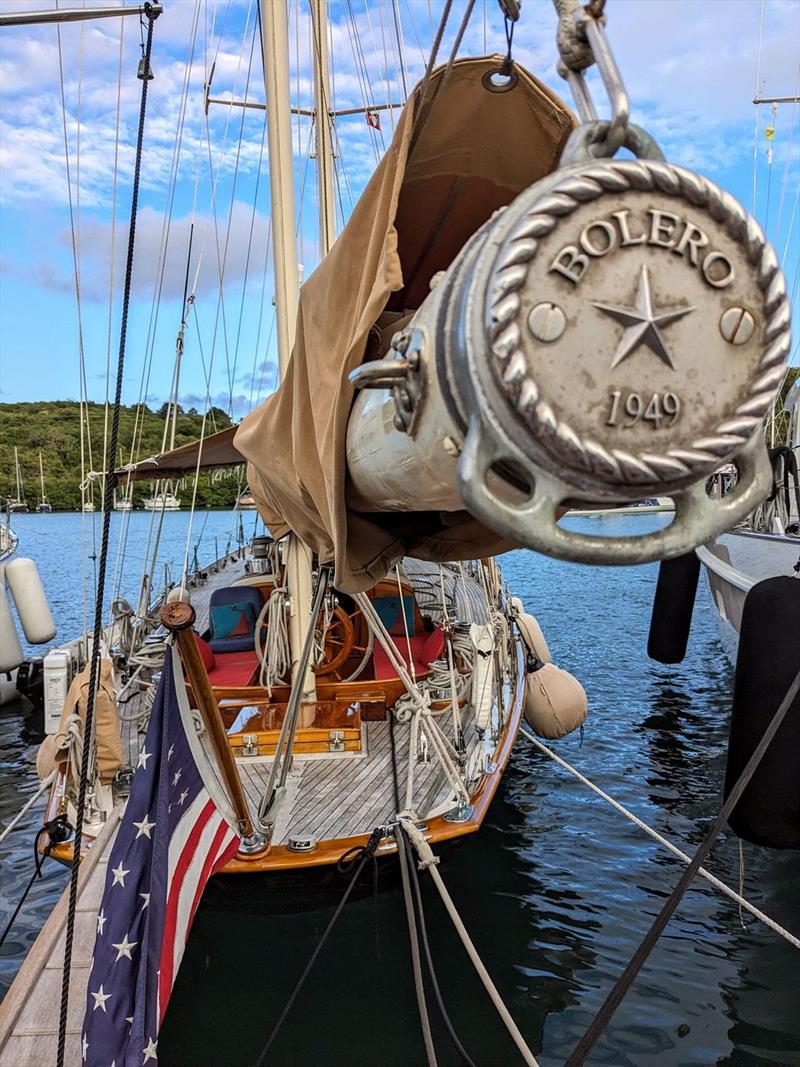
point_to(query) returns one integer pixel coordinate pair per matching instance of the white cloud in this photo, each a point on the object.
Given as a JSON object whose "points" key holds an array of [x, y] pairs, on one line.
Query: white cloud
{"points": [[689, 65]]}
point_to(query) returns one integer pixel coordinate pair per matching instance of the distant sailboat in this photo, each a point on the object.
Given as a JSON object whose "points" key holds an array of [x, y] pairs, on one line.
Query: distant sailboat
{"points": [[163, 501], [17, 503], [43, 507], [123, 503]]}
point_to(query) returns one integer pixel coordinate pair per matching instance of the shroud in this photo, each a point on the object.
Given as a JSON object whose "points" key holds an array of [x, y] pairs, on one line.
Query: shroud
{"points": [[474, 151]]}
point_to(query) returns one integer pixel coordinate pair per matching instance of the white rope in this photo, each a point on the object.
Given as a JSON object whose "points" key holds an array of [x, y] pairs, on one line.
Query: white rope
{"points": [[405, 623], [723, 888], [26, 807], [276, 654], [420, 699], [428, 861]]}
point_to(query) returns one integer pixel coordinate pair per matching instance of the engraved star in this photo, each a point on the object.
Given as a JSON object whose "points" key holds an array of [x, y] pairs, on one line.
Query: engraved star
{"points": [[100, 999], [119, 875], [143, 828], [149, 1051], [642, 323], [102, 919], [144, 756], [124, 948]]}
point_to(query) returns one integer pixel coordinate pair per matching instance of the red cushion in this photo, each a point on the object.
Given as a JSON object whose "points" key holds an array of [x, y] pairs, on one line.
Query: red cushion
{"points": [[234, 668], [434, 646], [424, 649], [206, 654]]}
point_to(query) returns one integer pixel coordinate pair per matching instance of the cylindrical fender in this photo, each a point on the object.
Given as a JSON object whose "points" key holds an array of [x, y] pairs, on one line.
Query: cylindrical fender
{"points": [[531, 632], [30, 601], [555, 702], [10, 649], [672, 608], [767, 661]]}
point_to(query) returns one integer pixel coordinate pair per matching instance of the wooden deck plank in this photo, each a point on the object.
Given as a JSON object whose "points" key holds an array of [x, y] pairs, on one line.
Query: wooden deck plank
{"points": [[31, 1003]]}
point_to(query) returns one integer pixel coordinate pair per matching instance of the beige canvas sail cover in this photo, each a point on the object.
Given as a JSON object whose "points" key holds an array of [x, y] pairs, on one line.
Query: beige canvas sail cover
{"points": [[475, 151]]}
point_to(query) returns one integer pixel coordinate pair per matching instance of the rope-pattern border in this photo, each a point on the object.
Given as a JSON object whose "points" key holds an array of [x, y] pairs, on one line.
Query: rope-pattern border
{"points": [[505, 335]]}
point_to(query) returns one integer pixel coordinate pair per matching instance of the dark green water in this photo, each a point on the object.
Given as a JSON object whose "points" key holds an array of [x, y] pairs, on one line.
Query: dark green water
{"points": [[556, 890]]}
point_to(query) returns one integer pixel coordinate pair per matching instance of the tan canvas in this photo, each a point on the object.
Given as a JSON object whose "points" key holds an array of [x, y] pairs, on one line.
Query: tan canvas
{"points": [[106, 718], [475, 152]]}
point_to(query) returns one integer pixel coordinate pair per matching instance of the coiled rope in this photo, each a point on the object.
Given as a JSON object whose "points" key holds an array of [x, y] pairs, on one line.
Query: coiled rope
{"points": [[110, 485]]}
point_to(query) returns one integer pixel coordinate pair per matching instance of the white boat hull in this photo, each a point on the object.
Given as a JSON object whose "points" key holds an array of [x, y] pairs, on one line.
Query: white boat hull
{"points": [[735, 562]]}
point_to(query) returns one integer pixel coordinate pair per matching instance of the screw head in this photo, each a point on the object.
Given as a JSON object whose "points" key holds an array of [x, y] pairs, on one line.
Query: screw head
{"points": [[736, 325], [546, 321]]}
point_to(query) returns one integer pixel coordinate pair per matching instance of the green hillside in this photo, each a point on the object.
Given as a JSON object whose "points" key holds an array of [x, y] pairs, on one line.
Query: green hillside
{"points": [[54, 429]]}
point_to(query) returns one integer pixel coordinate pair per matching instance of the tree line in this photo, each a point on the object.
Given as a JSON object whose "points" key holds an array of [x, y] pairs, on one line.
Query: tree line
{"points": [[54, 429]]}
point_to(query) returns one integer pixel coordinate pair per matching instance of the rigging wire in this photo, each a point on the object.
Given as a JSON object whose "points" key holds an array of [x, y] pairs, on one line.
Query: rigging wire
{"points": [[756, 94], [400, 53], [100, 591]]}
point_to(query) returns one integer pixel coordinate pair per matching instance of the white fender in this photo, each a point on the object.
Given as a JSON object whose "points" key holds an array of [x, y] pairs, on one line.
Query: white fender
{"points": [[555, 702], [30, 600], [530, 632], [482, 639], [10, 649]]}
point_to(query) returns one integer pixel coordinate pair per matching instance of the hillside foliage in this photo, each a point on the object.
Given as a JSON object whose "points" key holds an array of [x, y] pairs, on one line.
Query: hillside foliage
{"points": [[54, 429]]}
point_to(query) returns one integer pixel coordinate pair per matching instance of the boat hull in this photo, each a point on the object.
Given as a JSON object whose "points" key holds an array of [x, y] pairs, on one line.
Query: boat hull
{"points": [[733, 563]]}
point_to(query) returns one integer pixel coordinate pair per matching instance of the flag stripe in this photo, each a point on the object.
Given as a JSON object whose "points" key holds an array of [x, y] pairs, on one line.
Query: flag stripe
{"points": [[177, 830], [210, 865], [170, 922]]}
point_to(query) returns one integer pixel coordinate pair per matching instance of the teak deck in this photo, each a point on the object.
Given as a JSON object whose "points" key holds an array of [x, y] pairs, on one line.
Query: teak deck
{"points": [[314, 806], [29, 1013]]}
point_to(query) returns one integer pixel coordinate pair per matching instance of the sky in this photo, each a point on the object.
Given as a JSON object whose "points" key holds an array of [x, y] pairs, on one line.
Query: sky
{"points": [[691, 68]]}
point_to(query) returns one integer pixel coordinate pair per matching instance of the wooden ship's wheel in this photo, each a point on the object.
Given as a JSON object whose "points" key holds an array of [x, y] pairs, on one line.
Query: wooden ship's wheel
{"points": [[339, 644]]}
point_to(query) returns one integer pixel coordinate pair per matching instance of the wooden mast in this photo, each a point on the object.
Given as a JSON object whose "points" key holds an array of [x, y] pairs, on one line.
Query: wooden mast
{"points": [[322, 125], [275, 50]]}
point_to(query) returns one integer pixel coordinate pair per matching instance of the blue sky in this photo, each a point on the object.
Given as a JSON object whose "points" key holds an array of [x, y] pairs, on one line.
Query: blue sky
{"points": [[691, 67]]}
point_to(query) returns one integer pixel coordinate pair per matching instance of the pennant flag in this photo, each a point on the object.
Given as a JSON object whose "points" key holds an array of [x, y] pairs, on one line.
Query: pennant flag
{"points": [[177, 831], [373, 119], [769, 133]]}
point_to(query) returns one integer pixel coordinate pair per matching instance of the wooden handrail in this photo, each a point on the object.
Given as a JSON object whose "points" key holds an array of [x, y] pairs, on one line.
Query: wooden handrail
{"points": [[179, 617]]}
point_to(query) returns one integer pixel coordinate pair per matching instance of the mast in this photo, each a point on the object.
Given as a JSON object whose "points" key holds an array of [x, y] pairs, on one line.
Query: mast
{"points": [[18, 476], [41, 478], [322, 125], [275, 50]]}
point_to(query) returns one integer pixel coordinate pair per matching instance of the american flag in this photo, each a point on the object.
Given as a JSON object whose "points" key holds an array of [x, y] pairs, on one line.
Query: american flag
{"points": [[177, 831]]}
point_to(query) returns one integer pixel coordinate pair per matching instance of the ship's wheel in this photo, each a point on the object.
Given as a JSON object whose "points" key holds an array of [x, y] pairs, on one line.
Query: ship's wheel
{"points": [[339, 643]]}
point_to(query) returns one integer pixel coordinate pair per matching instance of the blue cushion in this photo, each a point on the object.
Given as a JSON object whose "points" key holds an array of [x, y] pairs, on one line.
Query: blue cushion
{"points": [[391, 610], [232, 644], [232, 620], [232, 608]]}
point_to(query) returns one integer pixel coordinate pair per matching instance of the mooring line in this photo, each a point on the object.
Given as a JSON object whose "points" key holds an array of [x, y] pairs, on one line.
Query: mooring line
{"points": [[26, 807], [709, 877]]}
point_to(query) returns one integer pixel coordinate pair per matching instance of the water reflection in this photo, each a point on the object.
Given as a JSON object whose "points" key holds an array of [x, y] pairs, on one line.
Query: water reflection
{"points": [[557, 890]]}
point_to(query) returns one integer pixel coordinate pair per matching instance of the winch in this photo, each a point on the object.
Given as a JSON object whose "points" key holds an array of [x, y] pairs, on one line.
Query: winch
{"points": [[617, 332]]}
